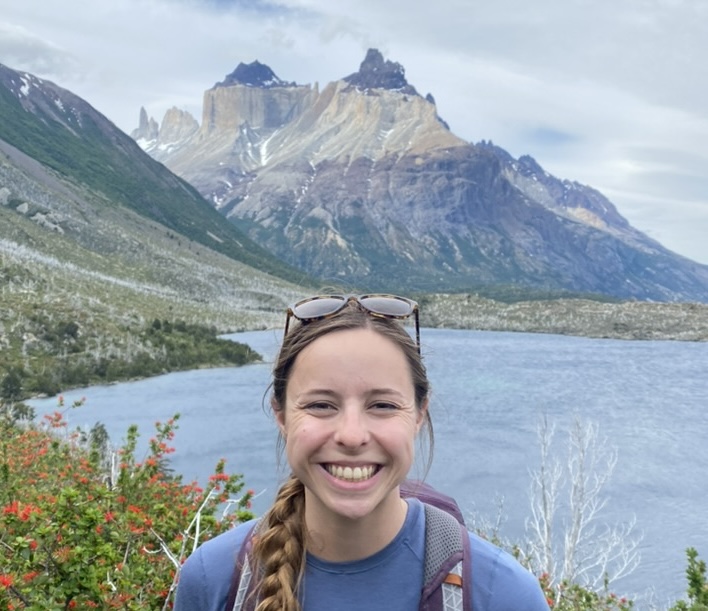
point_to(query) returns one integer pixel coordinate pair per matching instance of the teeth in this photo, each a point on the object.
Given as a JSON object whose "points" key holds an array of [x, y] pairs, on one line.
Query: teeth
{"points": [[356, 474]]}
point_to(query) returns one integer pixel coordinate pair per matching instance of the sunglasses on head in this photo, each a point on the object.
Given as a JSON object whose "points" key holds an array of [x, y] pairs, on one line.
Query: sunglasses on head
{"points": [[382, 306]]}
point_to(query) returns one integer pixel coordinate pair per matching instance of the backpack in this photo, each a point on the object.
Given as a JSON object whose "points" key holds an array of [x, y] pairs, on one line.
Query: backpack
{"points": [[446, 571]]}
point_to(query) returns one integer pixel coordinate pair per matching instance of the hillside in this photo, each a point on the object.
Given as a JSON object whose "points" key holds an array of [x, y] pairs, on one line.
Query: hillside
{"points": [[82, 282], [61, 132], [89, 276]]}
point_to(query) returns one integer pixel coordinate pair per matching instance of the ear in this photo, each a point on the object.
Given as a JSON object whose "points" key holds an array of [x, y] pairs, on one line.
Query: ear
{"points": [[422, 415], [279, 414]]}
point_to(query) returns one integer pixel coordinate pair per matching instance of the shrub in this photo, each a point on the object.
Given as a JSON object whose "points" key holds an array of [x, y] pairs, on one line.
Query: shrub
{"points": [[84, 527], [567, 596], [697, 585]]}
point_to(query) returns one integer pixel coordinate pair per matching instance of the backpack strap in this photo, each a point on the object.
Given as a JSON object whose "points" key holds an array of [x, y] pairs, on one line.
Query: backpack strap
{"points": [[446, 572], [427, 494], [238, 598], [446, 569]]}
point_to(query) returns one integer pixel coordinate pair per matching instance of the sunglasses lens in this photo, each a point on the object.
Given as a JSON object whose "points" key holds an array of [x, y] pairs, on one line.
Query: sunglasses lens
{"points": [[316, 308], [387, 306]]}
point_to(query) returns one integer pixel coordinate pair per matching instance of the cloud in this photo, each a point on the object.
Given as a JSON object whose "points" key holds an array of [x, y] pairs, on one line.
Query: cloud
{"points": [[19, 47], [611, 94]]}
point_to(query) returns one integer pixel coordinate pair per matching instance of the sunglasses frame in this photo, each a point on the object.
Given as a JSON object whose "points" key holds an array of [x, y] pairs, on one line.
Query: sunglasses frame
{"points": [[345, 299]]}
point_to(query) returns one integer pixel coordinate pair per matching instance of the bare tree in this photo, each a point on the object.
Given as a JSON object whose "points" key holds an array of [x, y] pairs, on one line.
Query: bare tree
{"points": [[545, 490], [567, 537]]}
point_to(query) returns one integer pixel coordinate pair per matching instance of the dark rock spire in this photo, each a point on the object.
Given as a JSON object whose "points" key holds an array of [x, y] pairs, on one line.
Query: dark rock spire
{"points": [[377, 73], [254, 74]]}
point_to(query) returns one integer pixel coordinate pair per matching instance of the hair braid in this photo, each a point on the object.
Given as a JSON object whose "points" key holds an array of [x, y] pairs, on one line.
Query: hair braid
{"points": [[279, 550]]}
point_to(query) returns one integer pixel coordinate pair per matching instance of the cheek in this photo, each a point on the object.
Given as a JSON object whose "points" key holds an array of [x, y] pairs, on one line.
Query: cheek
{"points": [[299, 434], [401, 436]]}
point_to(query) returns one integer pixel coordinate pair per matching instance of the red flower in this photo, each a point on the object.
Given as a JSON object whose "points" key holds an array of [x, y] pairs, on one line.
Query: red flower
{"points": [[5, 581], [11, 509], [21, 511], [27, 511]]}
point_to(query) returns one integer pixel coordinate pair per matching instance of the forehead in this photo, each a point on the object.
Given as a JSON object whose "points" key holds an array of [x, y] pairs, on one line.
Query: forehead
{"points": [[358, 354]]}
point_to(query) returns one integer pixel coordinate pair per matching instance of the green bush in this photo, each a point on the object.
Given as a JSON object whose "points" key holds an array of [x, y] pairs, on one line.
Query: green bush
{"points": [[84, 528], [697, 585], [573, 597], [67, 359]]}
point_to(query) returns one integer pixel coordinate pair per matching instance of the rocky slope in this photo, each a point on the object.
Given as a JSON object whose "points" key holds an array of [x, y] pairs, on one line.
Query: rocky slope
{"points": [[92, 226], [363, 183]]}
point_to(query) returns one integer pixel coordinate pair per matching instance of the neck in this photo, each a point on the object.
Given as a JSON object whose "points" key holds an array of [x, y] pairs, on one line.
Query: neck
{"points": [[340, 539]]}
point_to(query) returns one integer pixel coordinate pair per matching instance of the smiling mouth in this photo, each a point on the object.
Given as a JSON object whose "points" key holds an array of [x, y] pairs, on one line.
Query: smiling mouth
{"points": [[352, 474]]}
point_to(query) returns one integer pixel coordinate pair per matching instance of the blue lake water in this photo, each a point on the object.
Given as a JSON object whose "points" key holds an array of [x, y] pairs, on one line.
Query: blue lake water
{"points": [[650, 400]]}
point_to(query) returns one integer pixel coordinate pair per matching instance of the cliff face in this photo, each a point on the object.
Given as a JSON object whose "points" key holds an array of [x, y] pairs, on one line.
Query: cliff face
{"points": [[227, 108], [363, 183], [246, 130]]}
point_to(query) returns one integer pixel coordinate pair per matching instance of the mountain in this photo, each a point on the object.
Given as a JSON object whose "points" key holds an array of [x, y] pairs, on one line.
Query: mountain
{"points": [[364, 184], [83, 274], [97, 235], [64, 134]]}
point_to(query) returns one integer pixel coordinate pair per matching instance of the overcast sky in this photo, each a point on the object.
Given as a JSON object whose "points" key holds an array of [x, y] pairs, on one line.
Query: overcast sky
{"points": [[610, 93]]}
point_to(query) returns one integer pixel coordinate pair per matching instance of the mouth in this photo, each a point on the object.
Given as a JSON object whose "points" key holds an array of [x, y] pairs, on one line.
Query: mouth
{"points": [[352, 474]]}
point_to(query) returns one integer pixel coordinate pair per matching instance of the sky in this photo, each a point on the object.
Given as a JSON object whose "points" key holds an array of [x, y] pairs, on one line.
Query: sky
{"points": [[612, 94]]}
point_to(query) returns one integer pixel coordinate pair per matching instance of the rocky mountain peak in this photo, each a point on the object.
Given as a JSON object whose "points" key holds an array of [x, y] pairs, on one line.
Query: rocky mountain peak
{"points": [[377, 73], [363, 182], [254, 74], [148, 129], [529, 166]]}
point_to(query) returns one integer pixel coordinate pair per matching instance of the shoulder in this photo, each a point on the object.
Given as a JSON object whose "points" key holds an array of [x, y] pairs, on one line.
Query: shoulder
{"points": [[500, 582], [205, 576]]}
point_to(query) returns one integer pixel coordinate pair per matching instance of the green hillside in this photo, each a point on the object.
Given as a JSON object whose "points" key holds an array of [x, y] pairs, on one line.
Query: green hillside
{"points": [[69, 136]]}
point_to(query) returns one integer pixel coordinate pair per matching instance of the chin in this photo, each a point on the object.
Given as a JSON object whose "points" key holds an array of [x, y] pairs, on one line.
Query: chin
{"points": [[353, 508], [352, 512]]}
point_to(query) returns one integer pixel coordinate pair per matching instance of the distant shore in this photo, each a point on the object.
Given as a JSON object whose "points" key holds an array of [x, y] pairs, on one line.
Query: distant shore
{"points": [[633, 320]]}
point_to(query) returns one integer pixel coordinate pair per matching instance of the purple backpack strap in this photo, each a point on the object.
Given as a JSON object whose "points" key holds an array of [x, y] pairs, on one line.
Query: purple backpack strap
{"points": [[447, 567], [429, 495]]}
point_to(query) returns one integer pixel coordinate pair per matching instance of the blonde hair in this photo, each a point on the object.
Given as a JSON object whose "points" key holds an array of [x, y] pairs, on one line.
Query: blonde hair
{"points": [[279, 549]]}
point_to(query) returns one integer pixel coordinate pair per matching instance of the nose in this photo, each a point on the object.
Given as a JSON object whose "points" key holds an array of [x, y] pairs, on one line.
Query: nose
{"points": [[352, 428]]}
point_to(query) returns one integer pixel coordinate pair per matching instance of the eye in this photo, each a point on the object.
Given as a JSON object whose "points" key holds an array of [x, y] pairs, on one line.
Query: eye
{"points": [[383, 406], [320, 407]]}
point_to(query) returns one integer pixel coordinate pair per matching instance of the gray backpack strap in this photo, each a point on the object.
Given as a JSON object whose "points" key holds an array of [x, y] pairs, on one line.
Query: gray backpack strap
{"points": [[243, 585], [445, 572], [239, 597], [447, 557]]}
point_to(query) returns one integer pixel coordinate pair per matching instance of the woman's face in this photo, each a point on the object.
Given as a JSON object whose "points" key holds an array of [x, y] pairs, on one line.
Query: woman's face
{"points": [[350, 422]]}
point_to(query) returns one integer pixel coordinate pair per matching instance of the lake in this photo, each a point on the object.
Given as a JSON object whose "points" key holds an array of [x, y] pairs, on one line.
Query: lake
{"points": [[490, 390]]}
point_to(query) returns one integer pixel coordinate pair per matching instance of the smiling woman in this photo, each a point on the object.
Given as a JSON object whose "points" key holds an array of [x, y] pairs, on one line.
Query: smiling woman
{"points": [[350, 411], [350, 396]]}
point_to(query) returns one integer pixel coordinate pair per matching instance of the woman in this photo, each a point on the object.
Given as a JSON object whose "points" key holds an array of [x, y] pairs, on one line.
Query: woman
{"points": [[350, 396]]}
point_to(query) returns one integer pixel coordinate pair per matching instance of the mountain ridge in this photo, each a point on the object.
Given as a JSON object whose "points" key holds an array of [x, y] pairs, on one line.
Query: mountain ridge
{"points": [[361, 182]]}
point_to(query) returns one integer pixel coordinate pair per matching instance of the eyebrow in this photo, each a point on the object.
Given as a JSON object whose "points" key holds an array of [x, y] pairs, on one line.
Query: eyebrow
{"points": [[331, 393]]}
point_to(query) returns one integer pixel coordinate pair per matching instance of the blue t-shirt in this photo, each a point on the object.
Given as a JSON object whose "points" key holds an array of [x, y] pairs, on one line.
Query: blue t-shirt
{"points": [[390, 580]]}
